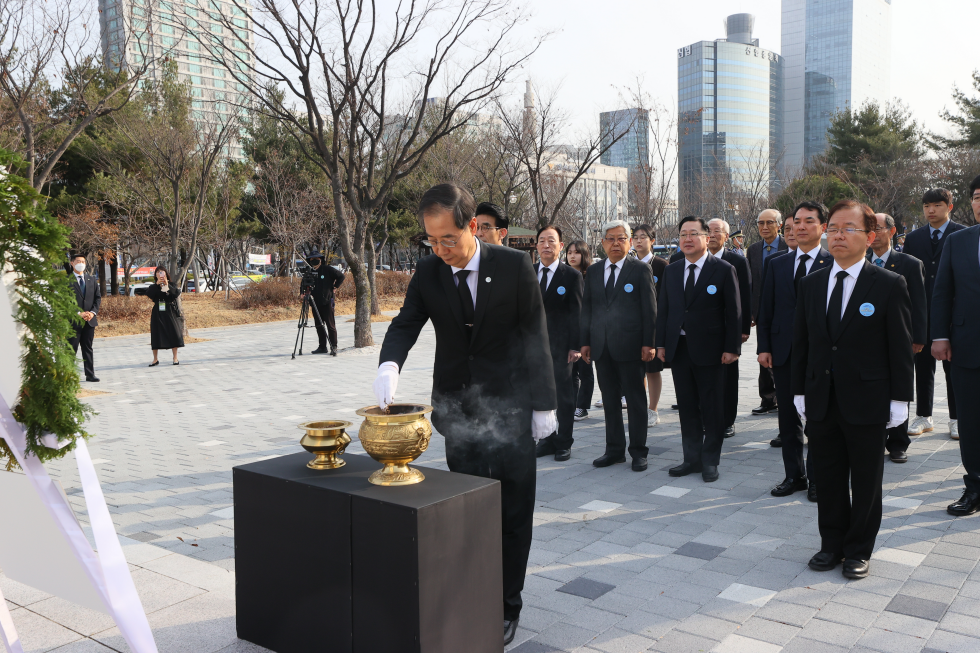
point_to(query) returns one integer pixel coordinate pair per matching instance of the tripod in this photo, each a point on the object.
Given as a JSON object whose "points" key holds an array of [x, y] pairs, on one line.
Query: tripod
{"points": [[304, 318]]}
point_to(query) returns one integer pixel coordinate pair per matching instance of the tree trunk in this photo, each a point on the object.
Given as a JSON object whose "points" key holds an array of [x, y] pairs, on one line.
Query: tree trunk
{"points": [[197, 275], [369, 261], [114, 272], [102, 275], [362, 312]]}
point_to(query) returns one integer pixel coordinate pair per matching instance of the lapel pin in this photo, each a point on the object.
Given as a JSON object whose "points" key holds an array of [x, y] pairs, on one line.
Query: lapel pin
{"points": [[487, 279]]}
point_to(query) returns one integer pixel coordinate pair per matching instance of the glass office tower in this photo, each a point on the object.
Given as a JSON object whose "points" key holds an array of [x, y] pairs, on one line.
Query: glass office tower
{"points": [[632, 151], [838, 56], [730, 118]]}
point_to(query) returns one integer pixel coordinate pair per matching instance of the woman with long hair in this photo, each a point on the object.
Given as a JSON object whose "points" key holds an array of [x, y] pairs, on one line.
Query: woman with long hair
{"points": [[165, 327], [578, 256]]}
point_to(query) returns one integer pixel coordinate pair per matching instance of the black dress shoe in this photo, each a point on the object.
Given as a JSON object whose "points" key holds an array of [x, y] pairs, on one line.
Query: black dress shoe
{"points": [[510, 629], [606, 459], [673, 407], [684, 469], [898, 456], [789, 486], [710, 473], [92, 379], [639, 464], [765, 409], [562, 455], [967, 504], [776, 441], [544, 448], [730, 431], [825, 561], [320, 350], [333, 351], [856, 568], [811, 492]]}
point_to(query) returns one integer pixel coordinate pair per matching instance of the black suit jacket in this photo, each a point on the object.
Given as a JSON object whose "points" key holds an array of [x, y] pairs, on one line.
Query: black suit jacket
{"points": [[777, 305], [870, 360], [712, 322], [92, 299], [658, 265], [563, 309], [757, 268], [919, 244], [741, 266], [626, 323], [506, 356], [956, 297], [914, 272]]}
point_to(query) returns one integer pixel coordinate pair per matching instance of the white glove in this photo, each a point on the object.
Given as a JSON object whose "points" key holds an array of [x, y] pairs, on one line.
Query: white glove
{"points": [[543, 424], [898, 412], [800, 402], [386, 383]]}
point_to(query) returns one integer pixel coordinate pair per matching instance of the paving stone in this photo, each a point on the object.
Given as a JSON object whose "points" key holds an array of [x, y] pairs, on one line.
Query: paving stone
{"points": [[739, 593], [916, 607], [698, 550], [589, 589], [742, 644]]}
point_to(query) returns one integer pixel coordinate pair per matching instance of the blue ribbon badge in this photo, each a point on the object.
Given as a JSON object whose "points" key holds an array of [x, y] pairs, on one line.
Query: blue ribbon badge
{"points": [[712, 290], [628, 287], [561, 290], [867, 310], [655, 279]]}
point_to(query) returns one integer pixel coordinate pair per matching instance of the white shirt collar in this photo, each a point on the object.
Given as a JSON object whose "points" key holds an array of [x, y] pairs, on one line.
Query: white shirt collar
{"points": [[474, 263], [852, 271], [699, 262], [941, 229], [811, 253], [553, 267], [647, 258], [619, 265]]}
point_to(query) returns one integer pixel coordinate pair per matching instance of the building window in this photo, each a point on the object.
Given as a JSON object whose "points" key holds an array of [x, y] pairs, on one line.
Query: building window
{"points": [[167, 29], [219, 83]]}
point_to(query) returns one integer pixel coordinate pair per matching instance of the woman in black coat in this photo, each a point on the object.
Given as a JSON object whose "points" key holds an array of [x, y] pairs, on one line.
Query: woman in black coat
{"points": [[165, 329], [578, 256]]}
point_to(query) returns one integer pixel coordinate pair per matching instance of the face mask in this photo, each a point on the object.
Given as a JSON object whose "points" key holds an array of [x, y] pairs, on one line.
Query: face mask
{"points": [[80, 267]]}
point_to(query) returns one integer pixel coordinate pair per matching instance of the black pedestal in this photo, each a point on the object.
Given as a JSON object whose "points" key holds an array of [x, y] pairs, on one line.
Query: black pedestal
{"points": [[326, 562]]}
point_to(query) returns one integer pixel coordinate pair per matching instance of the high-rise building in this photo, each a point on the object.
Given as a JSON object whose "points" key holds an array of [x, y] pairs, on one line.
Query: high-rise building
{"points": [[632, 151], [174, 30], [837, 56], [729, 118]]}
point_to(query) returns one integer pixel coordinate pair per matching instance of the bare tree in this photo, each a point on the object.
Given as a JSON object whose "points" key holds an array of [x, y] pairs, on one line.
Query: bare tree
{"points": [[38, 37], [366, 114], [287, 203]]}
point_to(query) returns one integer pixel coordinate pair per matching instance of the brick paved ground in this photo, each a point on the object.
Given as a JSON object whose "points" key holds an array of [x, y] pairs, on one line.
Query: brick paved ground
{"points": [[622, 561]]}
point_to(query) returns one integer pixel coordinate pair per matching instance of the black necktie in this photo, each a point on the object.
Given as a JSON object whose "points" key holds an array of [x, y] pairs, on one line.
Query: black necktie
{"points": [[800, 271], [81, 284], [689, 287], [936, 235], [835, 307], [611, 282], [465, 297], [544, 280]]}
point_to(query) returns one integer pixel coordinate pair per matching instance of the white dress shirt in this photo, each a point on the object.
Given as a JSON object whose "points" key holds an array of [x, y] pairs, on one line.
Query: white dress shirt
{"points": [[698, 266], [473, 278], [551, 273], [883, 257], [849, 281], [647, 258], [608, 268], [809, 263]]}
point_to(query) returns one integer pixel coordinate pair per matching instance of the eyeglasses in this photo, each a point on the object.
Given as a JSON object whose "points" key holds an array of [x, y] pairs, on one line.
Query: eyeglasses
{"points": [[849, 231], [641, 236], [448, 243], [612, 241], [881, 229], [691, 234], [767, 223], [483, 228]]}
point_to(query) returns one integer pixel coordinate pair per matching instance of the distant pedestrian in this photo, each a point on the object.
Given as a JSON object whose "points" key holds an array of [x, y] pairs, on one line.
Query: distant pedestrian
{"points": [[166, 331], [579, 256], [89, 299]]}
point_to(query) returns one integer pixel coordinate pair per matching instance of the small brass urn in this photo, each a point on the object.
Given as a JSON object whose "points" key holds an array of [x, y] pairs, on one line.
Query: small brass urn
{"points": [[395, 437], [327, 439]]}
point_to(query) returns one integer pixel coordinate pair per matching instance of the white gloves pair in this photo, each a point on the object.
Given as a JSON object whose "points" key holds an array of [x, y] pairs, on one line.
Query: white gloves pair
{"points": [[898, 411], [543, 422]]}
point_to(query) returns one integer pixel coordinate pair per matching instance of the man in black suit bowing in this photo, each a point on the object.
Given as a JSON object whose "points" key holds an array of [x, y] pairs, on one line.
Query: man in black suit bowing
{"points": [[882, 255], [561, 290], [851, 379], [955, 322], [699, 326], [618, 317], [493, 390], [757, 255], [926, 244], [777, 310], [89, 298]]}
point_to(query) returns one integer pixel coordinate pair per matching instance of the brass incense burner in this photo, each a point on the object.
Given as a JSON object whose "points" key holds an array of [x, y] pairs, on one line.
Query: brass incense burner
{"points": [[395, 437], [327, 439]]}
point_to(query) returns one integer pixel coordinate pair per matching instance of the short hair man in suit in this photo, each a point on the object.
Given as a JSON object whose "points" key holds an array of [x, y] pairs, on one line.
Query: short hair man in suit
{"points": [[955, 322], [493, 389], [561, 290], [89, 298], [644, 238], [619, 314], [777, 309], [491, 224], [882, 255], [852, 379], [699, 326], [926, 244], [757, 254]]}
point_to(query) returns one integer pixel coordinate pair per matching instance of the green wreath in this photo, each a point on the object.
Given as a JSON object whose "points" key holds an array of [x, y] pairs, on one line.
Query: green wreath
{"points": [[32, 243]]}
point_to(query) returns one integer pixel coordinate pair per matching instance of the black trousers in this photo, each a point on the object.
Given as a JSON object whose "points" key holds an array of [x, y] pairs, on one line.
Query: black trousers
{"points": [[965, 384], [326, 314], [731, 393], [565, 388], [623, 379], [790, 424], [700, 390], [767, 386], [925, 383], [584, 379], [897, 438], [848, 465], [85, 336]]}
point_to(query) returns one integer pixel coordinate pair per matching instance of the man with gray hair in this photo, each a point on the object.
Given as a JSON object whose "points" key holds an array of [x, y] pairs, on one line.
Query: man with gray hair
{"points": [[771, 244], [619, 314]]}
